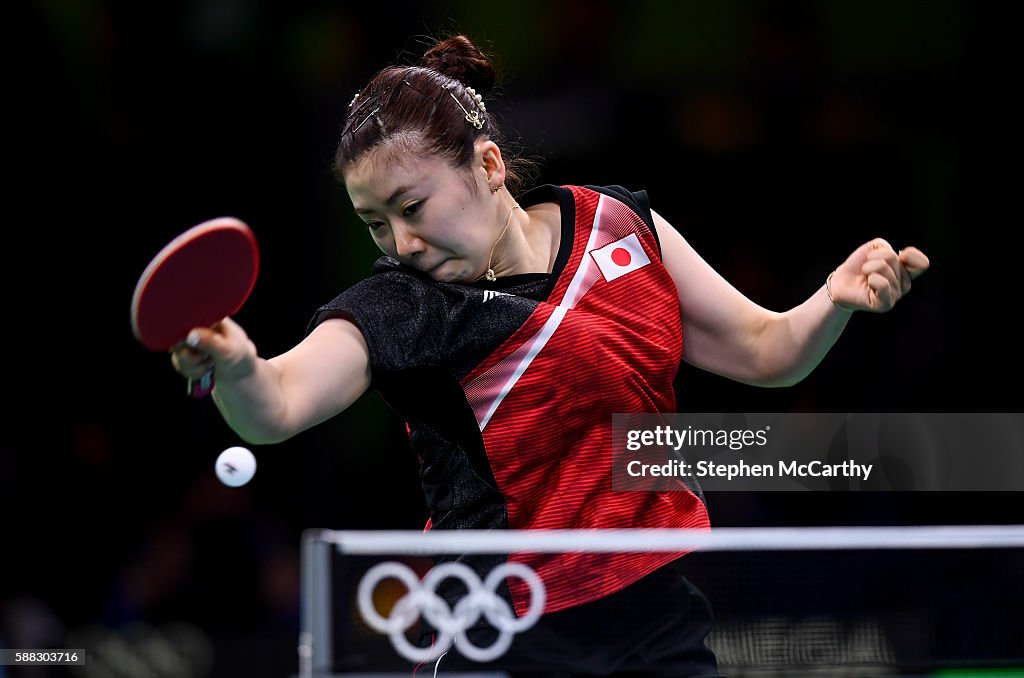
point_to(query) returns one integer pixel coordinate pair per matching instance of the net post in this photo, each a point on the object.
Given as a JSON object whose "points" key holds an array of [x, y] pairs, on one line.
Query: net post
{"points": [[315, 649]]}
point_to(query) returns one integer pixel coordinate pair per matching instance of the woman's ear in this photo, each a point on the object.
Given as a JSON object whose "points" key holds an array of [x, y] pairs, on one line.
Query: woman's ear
{"points": [[491, 162]]}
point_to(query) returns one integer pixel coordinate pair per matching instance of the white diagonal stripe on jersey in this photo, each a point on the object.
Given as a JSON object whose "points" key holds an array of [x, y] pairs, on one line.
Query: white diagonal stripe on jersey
{"points": [[575, 291], [534, 346], [580, 284]]}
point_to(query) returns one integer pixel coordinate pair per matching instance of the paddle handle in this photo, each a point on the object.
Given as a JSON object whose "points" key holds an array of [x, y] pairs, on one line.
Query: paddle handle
{"points": [[199, 389]]}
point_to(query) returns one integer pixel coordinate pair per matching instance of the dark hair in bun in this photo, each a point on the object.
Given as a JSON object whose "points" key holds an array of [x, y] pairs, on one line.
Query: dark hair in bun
{"points": [[459, 59], [434, 109]]}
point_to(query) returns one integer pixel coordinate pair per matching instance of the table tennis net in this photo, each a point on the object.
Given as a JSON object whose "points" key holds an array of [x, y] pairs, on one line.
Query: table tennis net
{"points": [[814, 601]]}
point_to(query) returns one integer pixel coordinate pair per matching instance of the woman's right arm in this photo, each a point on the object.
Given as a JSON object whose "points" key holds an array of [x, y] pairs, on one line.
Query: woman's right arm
{"points": [[267, 401]]}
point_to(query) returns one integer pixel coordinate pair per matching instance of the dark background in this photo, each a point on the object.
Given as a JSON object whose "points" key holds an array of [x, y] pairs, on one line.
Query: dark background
{"points": [[777, 136]]}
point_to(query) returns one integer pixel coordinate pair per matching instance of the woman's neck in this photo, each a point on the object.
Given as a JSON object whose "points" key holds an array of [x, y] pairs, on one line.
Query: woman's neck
{"points": [[531, 243]]}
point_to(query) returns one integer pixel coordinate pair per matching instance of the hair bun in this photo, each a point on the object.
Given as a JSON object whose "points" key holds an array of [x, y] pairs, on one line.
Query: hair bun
{"points": [[458, 58]]}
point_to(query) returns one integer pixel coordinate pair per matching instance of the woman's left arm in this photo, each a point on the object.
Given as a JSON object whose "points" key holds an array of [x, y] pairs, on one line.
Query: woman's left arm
{"points": [[730, 335]]}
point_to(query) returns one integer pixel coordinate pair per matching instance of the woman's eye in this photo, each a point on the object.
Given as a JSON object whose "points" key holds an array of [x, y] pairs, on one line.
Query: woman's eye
{"points": [[374, 225], [412, 209]]}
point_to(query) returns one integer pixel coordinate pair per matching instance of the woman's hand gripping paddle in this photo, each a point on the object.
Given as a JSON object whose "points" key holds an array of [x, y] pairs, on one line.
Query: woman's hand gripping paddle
{"points": [[199, 278]]}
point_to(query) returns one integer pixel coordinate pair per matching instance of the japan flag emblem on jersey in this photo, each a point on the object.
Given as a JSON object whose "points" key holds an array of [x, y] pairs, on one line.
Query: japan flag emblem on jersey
{"points": [[618, 258]]}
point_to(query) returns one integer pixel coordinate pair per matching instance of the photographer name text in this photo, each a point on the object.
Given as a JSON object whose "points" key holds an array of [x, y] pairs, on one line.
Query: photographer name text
{"points": [[708, 469]]}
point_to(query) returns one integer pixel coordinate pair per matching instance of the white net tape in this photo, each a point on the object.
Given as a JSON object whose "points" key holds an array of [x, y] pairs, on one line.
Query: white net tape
{"points": [[465, 542]]}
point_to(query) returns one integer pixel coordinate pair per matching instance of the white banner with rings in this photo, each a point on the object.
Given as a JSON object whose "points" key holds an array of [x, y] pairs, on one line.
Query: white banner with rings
{"points": [[421, 599]]}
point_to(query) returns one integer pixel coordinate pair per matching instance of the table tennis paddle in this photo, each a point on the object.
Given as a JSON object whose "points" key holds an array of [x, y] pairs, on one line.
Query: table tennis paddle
{"points": [[199, 278]]}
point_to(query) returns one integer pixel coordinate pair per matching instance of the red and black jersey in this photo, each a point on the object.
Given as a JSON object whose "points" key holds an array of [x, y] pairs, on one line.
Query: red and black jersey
{"points": [[509, 386]]}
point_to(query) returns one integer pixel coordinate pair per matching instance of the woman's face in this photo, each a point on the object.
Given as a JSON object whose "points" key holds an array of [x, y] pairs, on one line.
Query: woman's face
{"points": [[423, 212]]}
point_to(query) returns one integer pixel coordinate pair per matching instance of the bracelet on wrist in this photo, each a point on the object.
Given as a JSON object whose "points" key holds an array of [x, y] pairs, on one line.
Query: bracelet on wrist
{"points": [[828, 291]]}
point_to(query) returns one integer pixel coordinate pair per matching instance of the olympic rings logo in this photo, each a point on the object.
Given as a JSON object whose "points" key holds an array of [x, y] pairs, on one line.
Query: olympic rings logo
{"points": [[422, 599]]}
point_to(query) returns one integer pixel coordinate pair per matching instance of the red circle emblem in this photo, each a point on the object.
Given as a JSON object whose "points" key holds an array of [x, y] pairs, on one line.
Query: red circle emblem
{"points": [[621, 256]]}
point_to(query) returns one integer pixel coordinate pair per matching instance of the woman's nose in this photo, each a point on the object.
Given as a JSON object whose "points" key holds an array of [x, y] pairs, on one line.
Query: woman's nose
{"points": [[407, 243]]}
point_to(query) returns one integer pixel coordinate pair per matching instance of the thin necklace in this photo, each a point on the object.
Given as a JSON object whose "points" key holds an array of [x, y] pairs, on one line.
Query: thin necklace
{"points": [[489, 275]]}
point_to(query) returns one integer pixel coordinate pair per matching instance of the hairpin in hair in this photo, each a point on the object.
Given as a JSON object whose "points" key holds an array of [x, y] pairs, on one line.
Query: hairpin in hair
{"points": [[363, 103], [479, 99], [474, 117], [423, 94], [370, 115]]}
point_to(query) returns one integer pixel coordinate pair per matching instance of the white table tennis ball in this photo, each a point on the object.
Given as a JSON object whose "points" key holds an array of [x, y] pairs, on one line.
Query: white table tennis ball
{"points": [[235, 466]]}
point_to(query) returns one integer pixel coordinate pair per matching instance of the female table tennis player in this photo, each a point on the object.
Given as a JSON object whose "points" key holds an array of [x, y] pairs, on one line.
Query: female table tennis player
{"points": [[506, 328]]}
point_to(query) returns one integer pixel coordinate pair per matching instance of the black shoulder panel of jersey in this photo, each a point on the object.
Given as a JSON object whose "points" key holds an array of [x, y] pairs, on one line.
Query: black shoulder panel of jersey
{"points": [[636, 201], [401, 313]]}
